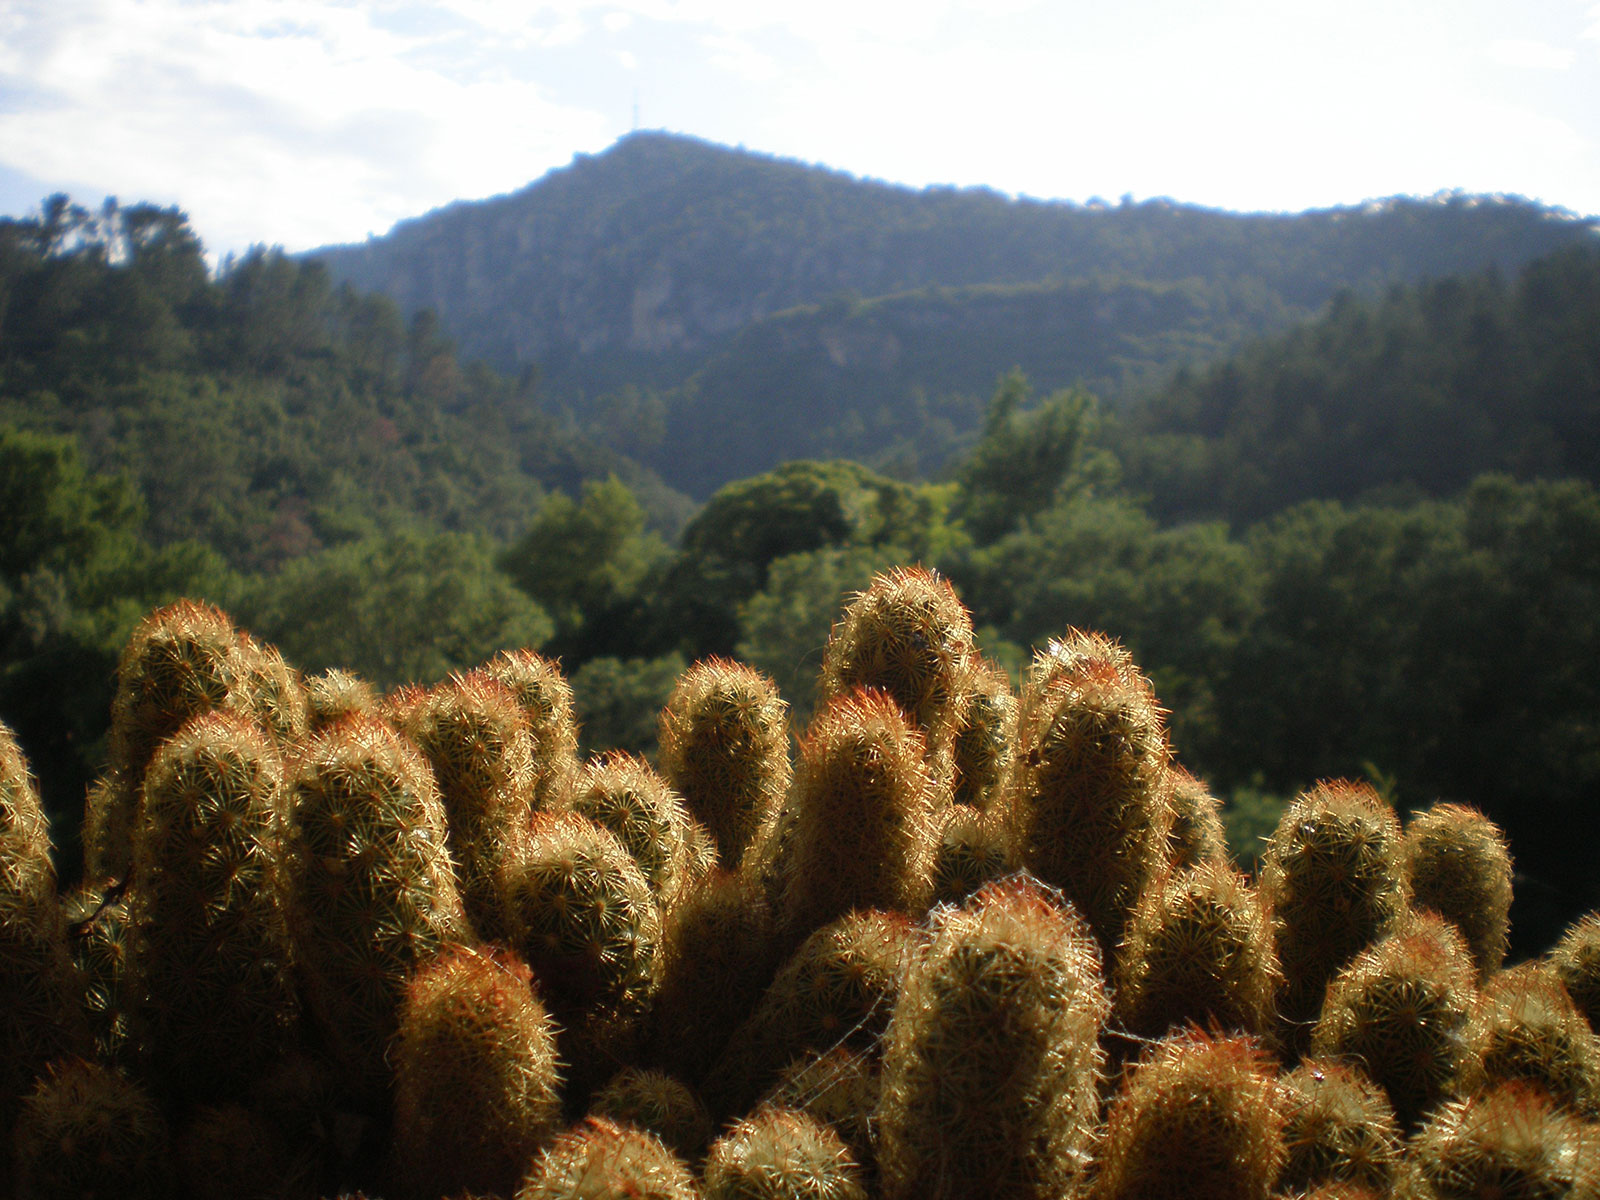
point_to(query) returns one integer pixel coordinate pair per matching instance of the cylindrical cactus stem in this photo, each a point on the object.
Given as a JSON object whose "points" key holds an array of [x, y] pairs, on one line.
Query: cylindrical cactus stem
{"points": [[336, 694], [97, 936], [85, 1130], [909, 636], [599, 1159], [1198, 1116], [1525, 1028], [582, 915], [1456, 863], [546, 699], [273, 693], [1198, 951], [986, 743], [1197, 835], [210, 995], [623, 793], [837, 989], [1332, 881], [992, 1068], [864, 816], [474, 735], [841, 1088], [781, 1154], [1399, 1010], [180, 661], [719, 954], [655, 1101], [374, 888], [476, 1088], [974, 847], [725, 748], [1510, 1141], [1340, 1129], [40, 991], [1089, 793], [1575, 961]]}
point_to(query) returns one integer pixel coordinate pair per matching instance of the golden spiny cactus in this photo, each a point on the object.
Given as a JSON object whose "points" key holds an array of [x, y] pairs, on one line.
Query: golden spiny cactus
{"points": [[546, 699], [623, 792], [1340, 1129], [1525, 1028], [599, 1159], [780, 1154], [1457, 864]]}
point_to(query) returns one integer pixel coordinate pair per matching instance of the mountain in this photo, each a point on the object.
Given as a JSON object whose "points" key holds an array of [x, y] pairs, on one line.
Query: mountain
{"points": [[650, 266]]}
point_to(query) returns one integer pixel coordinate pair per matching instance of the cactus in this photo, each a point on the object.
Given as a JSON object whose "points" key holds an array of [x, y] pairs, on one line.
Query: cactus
{"points": [[1340, 1129], [837, 989], [273, 693], [985, 745], [473, 733], [374, 889], [907, 635], [1399, 1010], [40, 991], [1199, 1116], [208, 988], [1575, 960], [992, 1066], [841, 1088], [1089, 792], [181, 660], [476, 1088], [718, 956], [599, 1159], [1511, 1141], [96, 915], [1457, 864], [725, 748], [780, 1154], [1332, 881], [621, 792], [658, 1103], [546, 700], [864, 824], [582, 916], [87, 1131], [1198, 951], [335, 694], [973, 848], [1525, 1027], [1196, 837]]}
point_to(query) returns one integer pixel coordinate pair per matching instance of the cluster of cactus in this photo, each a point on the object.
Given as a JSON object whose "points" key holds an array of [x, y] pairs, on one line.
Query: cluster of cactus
{"points": [[969, 941]]}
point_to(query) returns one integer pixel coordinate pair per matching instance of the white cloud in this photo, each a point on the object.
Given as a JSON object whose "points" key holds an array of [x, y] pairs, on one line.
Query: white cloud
{"points": [[1534, 55]]}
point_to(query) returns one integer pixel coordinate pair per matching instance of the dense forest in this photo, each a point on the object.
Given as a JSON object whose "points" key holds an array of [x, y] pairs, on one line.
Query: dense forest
{"points": [[731, 310], [1368, 547]]}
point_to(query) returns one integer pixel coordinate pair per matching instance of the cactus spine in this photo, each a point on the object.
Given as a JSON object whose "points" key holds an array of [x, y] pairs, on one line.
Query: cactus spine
{"points": [[546, 700], [725, 748], [864, 820], [780, 1154], [1198, 951], [474, 736], [621, 792], [659, 1103], [1089, 792], [1332, 880], [986, 742], [476, 1089], [973, 848], [1525, 1028], [1400, 1011], [1575, 960], [599, 1159], [87, 1131], [375, 893], [39, 989], [992, 1066], [1199, 1116], [336, 694], [210, 997], [1340, 1129], [1456, 863], [1196, 837]]}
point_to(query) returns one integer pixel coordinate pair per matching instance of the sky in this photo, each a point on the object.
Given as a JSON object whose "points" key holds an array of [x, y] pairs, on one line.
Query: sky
{"points": [[301, 123]]}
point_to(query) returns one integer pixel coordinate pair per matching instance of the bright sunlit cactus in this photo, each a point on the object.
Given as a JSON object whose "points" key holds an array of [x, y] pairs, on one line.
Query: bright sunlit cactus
{"points": [[599, 1159], [1340, 1128], [546, 699], [625, 794], [781, 1154], [1457, 864]]}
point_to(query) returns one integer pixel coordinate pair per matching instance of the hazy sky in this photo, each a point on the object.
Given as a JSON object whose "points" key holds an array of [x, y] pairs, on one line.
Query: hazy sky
{"points": [[302, 123]]}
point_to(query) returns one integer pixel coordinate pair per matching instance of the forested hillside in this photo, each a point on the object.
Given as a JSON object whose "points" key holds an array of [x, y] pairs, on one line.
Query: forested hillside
{"points": [[1365, 548]]}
